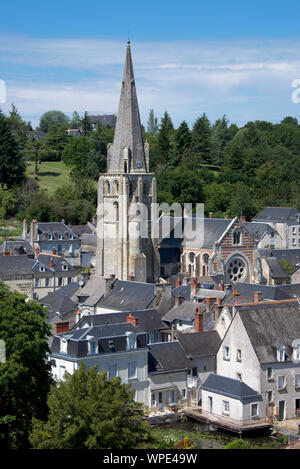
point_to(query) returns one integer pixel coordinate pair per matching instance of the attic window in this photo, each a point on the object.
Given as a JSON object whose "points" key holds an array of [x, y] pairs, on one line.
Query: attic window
{"points": [[112, 347], [281, 353], [49, 236], [59, 236], [64, 267], [42, 269]]}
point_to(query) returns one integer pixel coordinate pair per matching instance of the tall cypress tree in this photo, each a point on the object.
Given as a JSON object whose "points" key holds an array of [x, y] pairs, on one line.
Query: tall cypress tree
{"points": [[183, 142], [164, 141], [12, 161], [201, 136]]}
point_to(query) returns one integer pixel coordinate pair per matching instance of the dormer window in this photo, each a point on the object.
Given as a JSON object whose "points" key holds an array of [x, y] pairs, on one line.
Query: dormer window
{"points": [[112, 347], [237, 237], [131, 341], [296, 350], [42, 269], [64, 267], [92, 347], [281, 353], [63, 345], [49, 236], [59, 236]]}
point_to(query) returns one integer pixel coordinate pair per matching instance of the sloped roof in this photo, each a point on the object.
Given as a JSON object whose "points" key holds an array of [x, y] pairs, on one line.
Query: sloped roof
{"points": [[167, 356], [148, 319], [63, 299], [277, 214], [20, 265], [269, 292], [276, 270], [129, 295], [270, 324], [186, 311], [290, 255], [231, 388], [200, 343]]}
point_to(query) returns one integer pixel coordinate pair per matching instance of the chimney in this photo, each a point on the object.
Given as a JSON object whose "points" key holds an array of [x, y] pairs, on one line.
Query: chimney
{"points": [[193, 286], [242, 218], [33, 229], [37, 251], [179, 299], [209, 303], [258, 297], [225, 217], [210, 214], [169, 280], [54, 251], [221, 286], [78, 315], [60, 327], [132, 320], [227, 286], [198, 321], [24, 229], [178, 282], [112, 277], [131, 277], [51, 263], [235, 292], [218, 308]]}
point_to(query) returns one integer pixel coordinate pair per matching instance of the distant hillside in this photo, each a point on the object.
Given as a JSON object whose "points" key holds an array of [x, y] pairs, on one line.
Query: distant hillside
{"points": [[51, 174]]}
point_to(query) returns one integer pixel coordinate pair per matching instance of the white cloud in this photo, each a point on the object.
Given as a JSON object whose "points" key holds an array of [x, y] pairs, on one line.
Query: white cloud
{"points": [[242, 79]]}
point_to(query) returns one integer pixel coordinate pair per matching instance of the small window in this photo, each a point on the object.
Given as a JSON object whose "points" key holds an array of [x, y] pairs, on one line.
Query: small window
{"points": [[296, 352], [49, 236], [239, 376], [237, 237], [184, 393], [59, 236], [37, 282], [152, 400], [269, 373], [172, 397], [131, 369], [60, 281], [297, 381], [160, 398], [63, 345], [239, 355], [93, 347], [131, 342], [281, 382], [226, 410], [270, 396], [112, 371], [226, 353], [254, 410], [47, 282], [281, 353]]}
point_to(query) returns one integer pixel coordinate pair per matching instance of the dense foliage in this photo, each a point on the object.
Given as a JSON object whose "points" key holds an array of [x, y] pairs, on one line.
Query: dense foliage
{"points": [[233, 171], [90, 411], [25, 375]]}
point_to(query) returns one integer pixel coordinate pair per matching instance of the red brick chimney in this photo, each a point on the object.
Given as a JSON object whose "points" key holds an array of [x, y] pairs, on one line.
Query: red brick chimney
{"points": [[54, 251], [132, 320], [258, 297], [210, 214], [242, 218], [178, 282], [60, 327], [235, 293], [221, 286], [193, 286], [225, 217], [209, 303], [198, 321], [131, 277], [51, 263]]}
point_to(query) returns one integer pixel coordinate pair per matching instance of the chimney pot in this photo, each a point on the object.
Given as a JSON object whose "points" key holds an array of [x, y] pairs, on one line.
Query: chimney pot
{"points": [[132, 319], [51, 263], [210, 214], [131, 277], [221, 286], [198, 321], [61, 327], [258, 297]]}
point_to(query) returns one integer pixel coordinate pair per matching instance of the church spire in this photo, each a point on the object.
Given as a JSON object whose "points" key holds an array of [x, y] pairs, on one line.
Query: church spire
{"points": [[127, 153]]}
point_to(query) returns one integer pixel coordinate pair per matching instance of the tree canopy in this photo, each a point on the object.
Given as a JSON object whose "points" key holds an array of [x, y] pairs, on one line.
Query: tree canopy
{"points": [[89, 411]]}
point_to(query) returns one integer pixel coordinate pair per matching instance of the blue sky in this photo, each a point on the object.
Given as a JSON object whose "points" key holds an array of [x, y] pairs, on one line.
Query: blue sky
{"points": [[234, 58]]}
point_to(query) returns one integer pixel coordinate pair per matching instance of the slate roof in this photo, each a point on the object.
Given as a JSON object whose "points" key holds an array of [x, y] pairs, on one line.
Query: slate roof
{"points": [[129, 296], [79, 230], [16, 265], [18, 247], [290, 255], [102, 120], [165, 357], [276, 270], [200, 343], [58, 263], [277, 214], [62, 300], [185, 312], [269, 292], [78, 339], [231, 388], [269, 325], [149, 319], [54, 228], [92, 291], [258, 230]]}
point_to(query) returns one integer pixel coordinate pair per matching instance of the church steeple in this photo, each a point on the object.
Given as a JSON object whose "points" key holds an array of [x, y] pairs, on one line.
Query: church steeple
{"points": [[127, 153]]}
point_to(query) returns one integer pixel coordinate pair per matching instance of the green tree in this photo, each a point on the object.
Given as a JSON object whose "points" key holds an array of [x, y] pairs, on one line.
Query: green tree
{"points": [[18, 125], [152, 123], [75, 122], [201, 141], [75, 155], [183, 143], [53, 145], [55, 118], [86, 125], [164, 137], [25, 376], [89, 411], [12, 161]]}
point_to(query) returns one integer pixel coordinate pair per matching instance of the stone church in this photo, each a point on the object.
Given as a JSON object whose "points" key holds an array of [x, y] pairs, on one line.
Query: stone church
{"points": [[126, 246]]}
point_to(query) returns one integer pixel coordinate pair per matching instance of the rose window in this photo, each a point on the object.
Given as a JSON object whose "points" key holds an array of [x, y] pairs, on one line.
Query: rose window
{"points": [[236, 269]]}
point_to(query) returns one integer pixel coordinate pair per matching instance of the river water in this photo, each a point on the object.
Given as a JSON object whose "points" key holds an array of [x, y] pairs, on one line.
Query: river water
{"points": [[205, 437]]}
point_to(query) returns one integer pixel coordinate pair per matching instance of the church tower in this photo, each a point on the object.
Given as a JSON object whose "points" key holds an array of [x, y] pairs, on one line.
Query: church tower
{"points": [[126, 244]]}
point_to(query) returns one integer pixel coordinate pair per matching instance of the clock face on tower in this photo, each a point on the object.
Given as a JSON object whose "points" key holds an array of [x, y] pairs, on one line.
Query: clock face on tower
{"points": [[139, 164]]}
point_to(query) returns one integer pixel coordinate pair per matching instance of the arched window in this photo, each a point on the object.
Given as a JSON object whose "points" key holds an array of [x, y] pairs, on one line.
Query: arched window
{"points": [[191, 256], [106, 187], [116, 211], [237, 237], [116, 187], [125, 166]]}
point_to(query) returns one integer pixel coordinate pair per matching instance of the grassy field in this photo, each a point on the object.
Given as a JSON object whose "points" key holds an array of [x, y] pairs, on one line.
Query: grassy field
{"points": [[51, 174], [11, 229]]}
